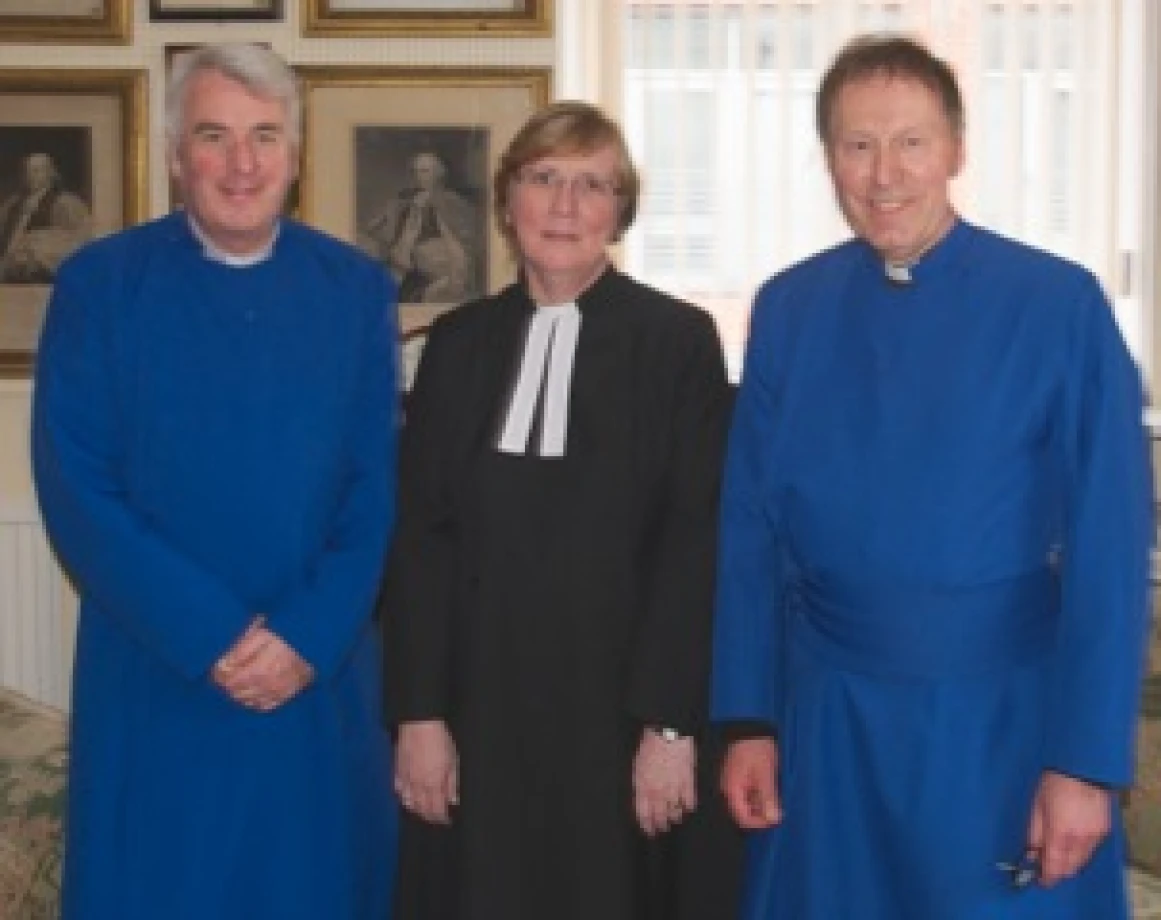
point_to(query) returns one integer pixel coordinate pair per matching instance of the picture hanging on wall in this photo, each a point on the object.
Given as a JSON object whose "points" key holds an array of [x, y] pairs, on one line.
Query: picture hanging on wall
{"points": [[353, 18], [399, 161], [72, 167], [66, 21], [193, 10]]}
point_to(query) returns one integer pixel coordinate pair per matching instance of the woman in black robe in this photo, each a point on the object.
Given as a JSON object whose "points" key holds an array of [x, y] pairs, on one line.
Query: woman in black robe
{"points": [[548, 599]]}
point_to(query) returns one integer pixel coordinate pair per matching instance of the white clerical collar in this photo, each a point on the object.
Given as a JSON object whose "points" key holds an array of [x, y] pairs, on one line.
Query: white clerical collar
{"points": [[903, 272], [536, 422], [555, 310], [216, 254], [898, 272]]}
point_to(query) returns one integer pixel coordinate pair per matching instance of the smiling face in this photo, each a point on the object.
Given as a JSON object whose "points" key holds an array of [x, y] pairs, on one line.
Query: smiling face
{"points": [[234, 162], [892, 154], [561, 229]]}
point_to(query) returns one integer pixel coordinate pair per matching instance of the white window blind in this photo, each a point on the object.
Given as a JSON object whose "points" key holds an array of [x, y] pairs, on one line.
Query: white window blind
{"points": [[717, 100]]}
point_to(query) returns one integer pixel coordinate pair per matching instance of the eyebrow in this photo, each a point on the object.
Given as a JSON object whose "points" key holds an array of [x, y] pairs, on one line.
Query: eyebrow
{"points": [[203, 126]]}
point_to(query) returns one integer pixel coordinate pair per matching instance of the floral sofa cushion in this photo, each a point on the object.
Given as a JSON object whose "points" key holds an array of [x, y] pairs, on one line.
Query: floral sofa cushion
{"points": [[33, 762], [1143, 814]]}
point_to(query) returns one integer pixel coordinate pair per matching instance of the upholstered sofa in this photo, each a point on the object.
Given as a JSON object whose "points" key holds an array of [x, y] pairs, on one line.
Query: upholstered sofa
{"points": [[33, 760]]}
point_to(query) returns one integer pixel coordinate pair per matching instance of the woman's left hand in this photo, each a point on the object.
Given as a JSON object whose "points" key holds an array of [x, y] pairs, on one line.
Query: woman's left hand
{"points": [[664, 786], [427, 770]]}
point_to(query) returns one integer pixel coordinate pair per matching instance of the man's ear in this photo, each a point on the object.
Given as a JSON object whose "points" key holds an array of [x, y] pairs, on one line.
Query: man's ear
{"points": [[960, 155]]}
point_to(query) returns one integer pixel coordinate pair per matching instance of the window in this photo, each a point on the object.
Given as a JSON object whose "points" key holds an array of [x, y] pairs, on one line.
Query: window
{"points": [[717, 100]]}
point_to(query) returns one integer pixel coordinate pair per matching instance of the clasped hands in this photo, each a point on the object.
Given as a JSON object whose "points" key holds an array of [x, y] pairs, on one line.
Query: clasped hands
{"points": [[261, 671], [1069, 817]]}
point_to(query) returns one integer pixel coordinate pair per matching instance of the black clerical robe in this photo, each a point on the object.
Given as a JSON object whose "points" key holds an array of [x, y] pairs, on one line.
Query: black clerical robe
{"points": [[547, 608]]}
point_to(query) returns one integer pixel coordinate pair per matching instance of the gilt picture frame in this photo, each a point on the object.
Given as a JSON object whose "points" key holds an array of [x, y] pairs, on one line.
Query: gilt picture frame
{"points": [[370, 18], [378, 141], [58, 22], [223, 10], [87, 130]]}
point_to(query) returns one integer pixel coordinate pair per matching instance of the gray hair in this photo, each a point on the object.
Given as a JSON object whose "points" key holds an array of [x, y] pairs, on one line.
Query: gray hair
{"points": [[258, 69]]}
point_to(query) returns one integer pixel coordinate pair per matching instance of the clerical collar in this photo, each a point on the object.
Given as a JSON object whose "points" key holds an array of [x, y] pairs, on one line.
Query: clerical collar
{"points": [[536, 420], [898, 272], [216, 254], [904, 273]]}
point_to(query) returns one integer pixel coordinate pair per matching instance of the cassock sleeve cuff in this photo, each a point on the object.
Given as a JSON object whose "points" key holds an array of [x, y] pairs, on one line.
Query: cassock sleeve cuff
{"points": [[733, 730]]}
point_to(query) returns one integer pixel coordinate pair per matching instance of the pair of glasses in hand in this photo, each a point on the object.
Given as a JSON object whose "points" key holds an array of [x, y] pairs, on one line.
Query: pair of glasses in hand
{"points": [[1023, 872]]}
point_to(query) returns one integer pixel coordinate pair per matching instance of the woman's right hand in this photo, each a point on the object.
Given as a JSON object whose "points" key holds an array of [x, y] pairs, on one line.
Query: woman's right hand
{"points": [[427, 770]]}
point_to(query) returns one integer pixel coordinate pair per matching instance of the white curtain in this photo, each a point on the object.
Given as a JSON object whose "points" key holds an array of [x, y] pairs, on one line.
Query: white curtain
{"points": [[717, 99]]}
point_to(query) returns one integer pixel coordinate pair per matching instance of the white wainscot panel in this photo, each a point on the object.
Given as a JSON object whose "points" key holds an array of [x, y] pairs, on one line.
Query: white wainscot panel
{"points": [[36, 619]]}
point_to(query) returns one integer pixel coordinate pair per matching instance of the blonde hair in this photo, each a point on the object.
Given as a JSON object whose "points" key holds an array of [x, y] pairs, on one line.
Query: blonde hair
{"points": [[566, 128]]}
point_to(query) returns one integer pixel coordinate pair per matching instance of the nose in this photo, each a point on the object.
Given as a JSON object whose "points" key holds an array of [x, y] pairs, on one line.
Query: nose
{"points": [[243, 155], [885, 167], [564, 196]]}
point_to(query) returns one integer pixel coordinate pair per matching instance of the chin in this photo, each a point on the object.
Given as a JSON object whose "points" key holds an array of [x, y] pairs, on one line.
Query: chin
{"points": [[892, 251], [560, 266]]}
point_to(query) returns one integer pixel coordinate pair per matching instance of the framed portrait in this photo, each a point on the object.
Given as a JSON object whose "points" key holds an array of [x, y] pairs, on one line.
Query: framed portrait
{"points": [[194, 10], [66, 21], [399, 162], [73, 147], [352, 18]]}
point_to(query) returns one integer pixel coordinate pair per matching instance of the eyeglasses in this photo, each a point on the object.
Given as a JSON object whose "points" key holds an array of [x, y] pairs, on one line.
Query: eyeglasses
{"points": [[585, 186], [1021, 873]]}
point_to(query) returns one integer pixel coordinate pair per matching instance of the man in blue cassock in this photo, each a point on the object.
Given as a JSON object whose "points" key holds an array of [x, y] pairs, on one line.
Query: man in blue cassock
{"points": [[213, 442], [934, 550]]}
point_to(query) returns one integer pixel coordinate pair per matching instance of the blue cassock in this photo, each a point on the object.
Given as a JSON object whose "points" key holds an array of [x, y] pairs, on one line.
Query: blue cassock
{"points": [[211, 443], [933, 577]]}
